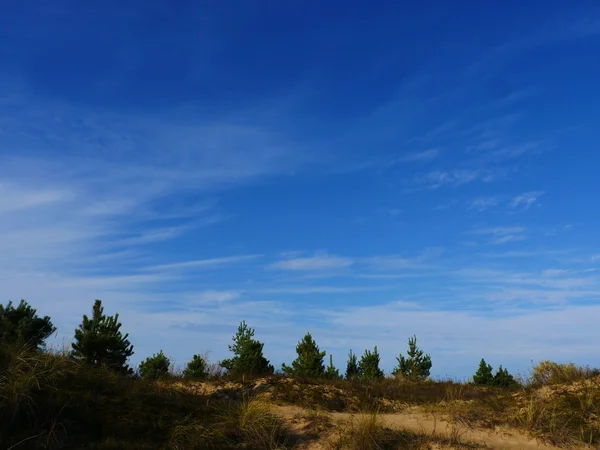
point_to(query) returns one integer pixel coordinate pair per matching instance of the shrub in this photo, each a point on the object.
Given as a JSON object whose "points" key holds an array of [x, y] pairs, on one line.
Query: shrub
{"points": [[548, 372], [99, 341], [22, 326], [309, 362], [417, 365], [248, 354], [196, 369], [369, 366], [155, 366]]}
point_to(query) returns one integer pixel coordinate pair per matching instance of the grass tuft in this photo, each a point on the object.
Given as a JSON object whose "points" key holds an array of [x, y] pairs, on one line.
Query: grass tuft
{"points": [[365, 432]]}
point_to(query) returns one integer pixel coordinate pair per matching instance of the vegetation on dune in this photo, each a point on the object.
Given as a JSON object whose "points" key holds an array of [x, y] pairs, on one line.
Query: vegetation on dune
{"points": [[332, 373], [548, 373], [352, 368], [22, 326], [196, 369], [309, 362], [485, 377], [91, 397], [416, 366], [155, 367], [248, 356], [368, 366], [55, 402], [99, 341]]}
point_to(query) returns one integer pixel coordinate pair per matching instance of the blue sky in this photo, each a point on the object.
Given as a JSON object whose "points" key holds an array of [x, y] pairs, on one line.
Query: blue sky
{"points": [[365, 173]]}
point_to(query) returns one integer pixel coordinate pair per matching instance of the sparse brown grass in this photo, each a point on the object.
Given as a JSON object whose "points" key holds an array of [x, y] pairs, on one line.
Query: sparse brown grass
{"points": [[365, 432], [252, 422], [562, 415], [314, 422], [549, 373], [48, 401], [387, 395]]}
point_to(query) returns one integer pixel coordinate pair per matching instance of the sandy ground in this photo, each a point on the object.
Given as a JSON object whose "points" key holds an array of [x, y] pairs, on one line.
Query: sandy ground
{"points": [[427, 424]]}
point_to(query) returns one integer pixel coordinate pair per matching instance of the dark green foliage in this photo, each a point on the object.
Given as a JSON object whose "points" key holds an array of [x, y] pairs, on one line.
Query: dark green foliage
{"points": [[155, 367], [309, 362], [352, 368], [484, 375], [22, 326], [504, 379], [248, 354], [196, 369], [416, 366], [369, 366], [332, 373], [99, 341]]}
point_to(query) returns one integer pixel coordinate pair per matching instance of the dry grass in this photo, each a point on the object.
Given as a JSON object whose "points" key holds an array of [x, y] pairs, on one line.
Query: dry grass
{"points": [[491, 408], [314, 422], [387, 395], [247, 424], [48, 401], [550, 373], [251, 421], [562, 416], [365, 432]]}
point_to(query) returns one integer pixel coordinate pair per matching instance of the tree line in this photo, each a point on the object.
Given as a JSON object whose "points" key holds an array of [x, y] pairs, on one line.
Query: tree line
{"points": [[98, 340]]}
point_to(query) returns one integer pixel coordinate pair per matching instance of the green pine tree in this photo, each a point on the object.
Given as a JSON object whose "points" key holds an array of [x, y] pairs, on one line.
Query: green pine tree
{"points": [[248, 356], [417, 365], [503, 378], [484, 375], [369, 366], [22, 326], [332, 373], [309, 362], [99, 341], [352, 368], [196, 369], [155, 367]]}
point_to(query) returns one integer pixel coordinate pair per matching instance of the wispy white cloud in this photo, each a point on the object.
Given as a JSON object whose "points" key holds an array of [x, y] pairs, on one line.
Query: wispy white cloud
{"points": [[303, 290], [317, 262], [203, 263], [211, 296], [527, 254], [515, 151], [390, 211], [457, 336], [457, 177], [560, 229], [13, 198], [392, 263], [423, 156], [377, 264], [501, 235], [483, 203], [526, 200]]}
